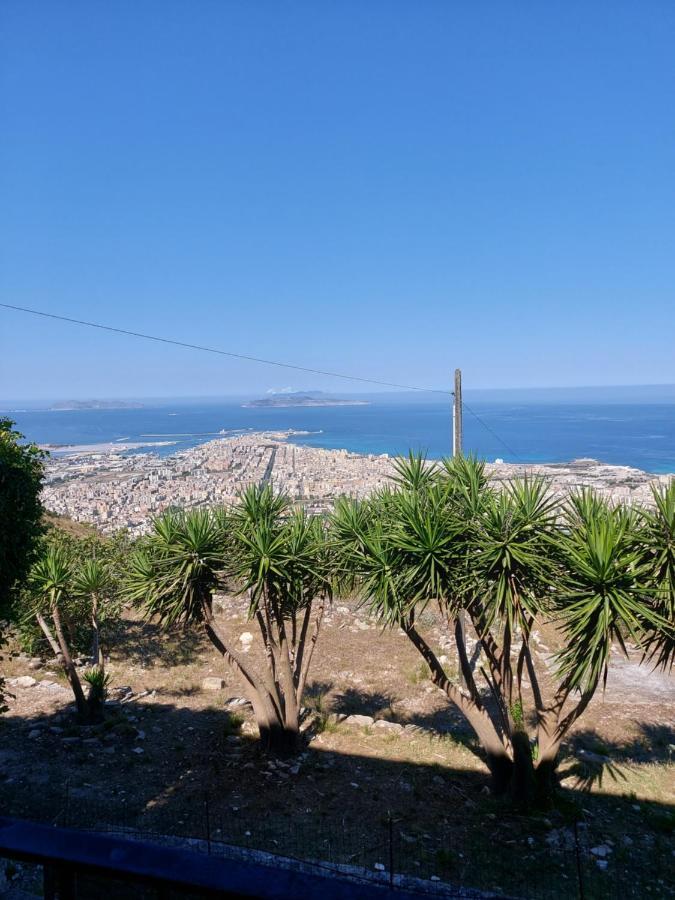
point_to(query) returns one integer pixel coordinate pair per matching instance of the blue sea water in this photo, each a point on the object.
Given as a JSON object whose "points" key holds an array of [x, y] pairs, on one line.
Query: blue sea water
{"points": [[621, 433]]}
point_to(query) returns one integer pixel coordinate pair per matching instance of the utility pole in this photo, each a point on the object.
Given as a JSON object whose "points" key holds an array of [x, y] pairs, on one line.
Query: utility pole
{"points": [[457, 415], [457, 451]]}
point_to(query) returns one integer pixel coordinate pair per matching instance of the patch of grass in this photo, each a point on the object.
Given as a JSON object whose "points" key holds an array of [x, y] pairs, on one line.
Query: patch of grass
{"points": [[233, 724], [327, 724], [324, 720], [420, 673]]}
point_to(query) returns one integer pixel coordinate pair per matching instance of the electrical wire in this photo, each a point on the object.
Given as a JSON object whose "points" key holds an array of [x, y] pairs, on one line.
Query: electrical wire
{"points": [[491, 431], [256, 359]]}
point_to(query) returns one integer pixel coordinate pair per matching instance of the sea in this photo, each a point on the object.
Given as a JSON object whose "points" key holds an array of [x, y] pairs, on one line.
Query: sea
{"points": [[628, 427]]}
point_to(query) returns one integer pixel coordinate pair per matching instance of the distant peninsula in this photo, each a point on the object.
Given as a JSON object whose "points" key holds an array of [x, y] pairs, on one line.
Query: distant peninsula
{"points": [[97, 404], [300, 398]]}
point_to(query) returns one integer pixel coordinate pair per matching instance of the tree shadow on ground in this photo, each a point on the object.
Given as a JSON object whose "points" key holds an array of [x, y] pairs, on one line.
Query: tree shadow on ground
{"points": [[599, 758], [385, 705], [165, 769], [146, 642], [351, 701]]}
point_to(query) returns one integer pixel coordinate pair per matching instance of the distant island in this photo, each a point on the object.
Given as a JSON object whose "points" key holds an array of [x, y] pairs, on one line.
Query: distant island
{"points": [[300, 398], [97, 404]]}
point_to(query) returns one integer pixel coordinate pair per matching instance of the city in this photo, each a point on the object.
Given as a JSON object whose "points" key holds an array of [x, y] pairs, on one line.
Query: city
{"points": [[112, 489]]}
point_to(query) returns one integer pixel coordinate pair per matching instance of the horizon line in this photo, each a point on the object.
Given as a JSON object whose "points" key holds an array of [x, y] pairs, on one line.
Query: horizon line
{"points": [[383, 393]]}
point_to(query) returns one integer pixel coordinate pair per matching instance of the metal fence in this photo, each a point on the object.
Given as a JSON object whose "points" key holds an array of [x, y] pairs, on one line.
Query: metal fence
{"points": [[560, 863]]}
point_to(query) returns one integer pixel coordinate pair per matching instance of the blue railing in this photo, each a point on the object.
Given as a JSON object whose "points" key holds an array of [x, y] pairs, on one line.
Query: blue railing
{"points": [[66, 853]]}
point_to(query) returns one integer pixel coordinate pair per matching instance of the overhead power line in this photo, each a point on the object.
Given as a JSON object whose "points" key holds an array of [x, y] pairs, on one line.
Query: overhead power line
{"points": [[490, 430], [229, 353], [268, 362]]}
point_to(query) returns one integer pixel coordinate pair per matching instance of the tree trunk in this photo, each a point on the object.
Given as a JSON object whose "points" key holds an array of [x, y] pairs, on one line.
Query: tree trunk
{"points": [[497, 750], [279, 732], [69, 666], [523, 778], [51, 640], [95, 634]]}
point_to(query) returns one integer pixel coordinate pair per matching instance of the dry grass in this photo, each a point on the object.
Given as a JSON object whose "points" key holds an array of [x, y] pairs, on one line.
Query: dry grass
{"points": [[428, 786]]}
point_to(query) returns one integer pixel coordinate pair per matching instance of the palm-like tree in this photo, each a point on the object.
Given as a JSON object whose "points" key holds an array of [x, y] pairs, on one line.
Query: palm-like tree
{"points": [[92, 581], [657, 547], [51, 579], [279, 557], [512, 559]]}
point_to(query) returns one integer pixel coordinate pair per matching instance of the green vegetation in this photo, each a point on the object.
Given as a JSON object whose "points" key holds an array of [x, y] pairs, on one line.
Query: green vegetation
{"points": [[512, 560], [499, 564], [21, 473], [72, 592], [279, 557]]}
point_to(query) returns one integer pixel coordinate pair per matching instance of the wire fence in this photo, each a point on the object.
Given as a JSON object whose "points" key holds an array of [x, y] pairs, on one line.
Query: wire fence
{"points": [[559, 863]]}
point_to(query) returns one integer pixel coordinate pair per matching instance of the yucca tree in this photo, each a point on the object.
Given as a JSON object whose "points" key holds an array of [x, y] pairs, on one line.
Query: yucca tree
{"points": [[279, 558], [51, 581], [657, 546], [92, 582], [512, 560]]}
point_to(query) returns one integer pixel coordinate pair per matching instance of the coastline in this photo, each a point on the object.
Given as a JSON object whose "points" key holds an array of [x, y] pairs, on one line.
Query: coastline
{"points": [[542, 467], [105, 447], [637, 435], [112, 489]]}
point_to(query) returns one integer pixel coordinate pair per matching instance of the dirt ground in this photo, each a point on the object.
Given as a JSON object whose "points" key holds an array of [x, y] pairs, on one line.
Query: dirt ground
{"points": [[173, 758]]}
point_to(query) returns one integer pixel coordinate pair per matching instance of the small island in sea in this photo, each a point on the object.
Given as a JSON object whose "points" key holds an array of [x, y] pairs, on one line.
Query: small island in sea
{"points": [[300, 398], [96, 404]]}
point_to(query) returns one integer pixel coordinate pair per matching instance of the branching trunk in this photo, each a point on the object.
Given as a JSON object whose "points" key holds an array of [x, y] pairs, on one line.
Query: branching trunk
{"points": [[51, 640], [465, 665], [69, 666], [260, 689], [304, 667], [96, 659], [290, 701], [499, 758], [275, 692]]}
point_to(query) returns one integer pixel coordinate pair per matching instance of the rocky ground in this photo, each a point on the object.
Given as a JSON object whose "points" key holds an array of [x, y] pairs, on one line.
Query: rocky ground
{"points": [[386, 763]]}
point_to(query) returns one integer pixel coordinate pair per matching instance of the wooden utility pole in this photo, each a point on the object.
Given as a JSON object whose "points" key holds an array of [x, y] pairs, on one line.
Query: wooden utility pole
{"points": [[457, 451], [457, 415]]}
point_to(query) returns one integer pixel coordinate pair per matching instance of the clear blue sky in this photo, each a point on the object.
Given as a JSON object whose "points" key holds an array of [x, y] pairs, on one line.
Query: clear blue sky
{"points": [[387, 188]]}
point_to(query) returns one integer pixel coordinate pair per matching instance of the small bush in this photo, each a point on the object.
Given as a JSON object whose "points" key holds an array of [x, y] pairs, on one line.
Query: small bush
{"points": [[233, 724], [98, 681]]}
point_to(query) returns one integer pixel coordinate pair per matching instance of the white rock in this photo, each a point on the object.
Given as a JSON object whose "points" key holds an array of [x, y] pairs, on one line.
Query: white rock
{"points": [[212, 684], [24, 681], [359, 721], [379, 867], [390, 727], [601, 850], [246, 637]]}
